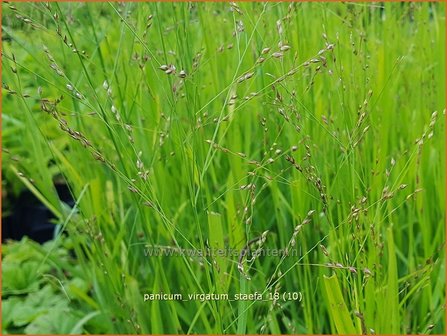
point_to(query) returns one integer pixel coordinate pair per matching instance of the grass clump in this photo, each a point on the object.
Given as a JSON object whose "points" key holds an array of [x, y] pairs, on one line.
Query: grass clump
{"points": [[314, 129]]}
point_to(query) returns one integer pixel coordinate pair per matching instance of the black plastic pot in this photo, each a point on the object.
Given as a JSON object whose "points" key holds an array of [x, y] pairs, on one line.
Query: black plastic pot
{"points": [[29, 217]]}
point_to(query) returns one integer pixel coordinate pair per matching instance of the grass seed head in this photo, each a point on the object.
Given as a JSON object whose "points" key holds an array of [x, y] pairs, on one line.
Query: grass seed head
{"points": [[278, 54], [265, 51]]}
